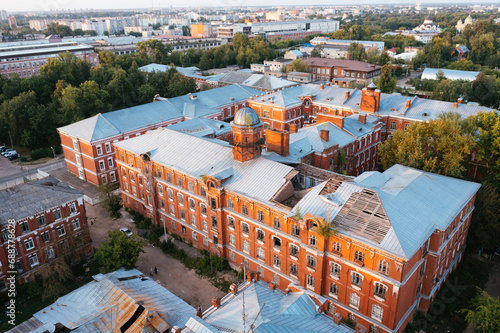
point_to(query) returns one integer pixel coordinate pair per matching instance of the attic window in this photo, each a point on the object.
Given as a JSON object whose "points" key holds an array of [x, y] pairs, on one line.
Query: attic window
{"points": [[357, 104], [394, 110], [425, 114]]}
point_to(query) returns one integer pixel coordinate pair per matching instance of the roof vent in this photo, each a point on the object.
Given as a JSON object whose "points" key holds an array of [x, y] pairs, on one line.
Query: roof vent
{"points": [[231, 98], [425, 114]]}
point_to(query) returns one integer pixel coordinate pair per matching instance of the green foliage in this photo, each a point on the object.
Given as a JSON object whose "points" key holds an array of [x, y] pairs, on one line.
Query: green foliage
{"points": [[386, 82], [356, 52], [41, 153], [55, 276], [298, 65], [484, 313], [207, 265], [110, 201], [119, 250], [440, 145], [326, 229]]}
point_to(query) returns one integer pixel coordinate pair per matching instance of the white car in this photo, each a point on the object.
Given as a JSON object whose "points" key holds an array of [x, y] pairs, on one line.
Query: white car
{"points": [[127, 231]]}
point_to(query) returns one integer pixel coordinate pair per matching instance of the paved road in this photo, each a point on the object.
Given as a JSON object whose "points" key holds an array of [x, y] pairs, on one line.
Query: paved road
{"points": [[402, 82]]}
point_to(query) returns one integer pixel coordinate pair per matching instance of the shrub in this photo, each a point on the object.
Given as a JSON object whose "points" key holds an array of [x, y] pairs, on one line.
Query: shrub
{"points": [[40, 153], [23, 159]]}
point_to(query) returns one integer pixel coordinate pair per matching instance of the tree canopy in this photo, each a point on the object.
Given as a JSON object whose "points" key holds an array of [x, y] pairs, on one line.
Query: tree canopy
{"points": [[119, 251]]}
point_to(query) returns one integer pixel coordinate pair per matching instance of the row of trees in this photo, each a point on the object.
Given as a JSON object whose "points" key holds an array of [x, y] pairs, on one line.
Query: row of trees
{"points": [[69, 89]]}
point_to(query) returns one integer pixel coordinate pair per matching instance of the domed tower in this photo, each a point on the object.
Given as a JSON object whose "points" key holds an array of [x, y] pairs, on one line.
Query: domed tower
{"points": [[247, 134]]}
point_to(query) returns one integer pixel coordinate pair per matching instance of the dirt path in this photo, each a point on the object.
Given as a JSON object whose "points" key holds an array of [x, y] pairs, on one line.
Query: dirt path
{"points": [[172, 274]]}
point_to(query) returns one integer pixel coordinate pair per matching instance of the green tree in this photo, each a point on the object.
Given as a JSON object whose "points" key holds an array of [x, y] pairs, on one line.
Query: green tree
{"points": [[386, 82], [119, 251], [440, 145], [484, 314], [77, 103], [181, 85], [146, 93], [154, 50], [485, 91], [110, 201], [356, 51], [317, 51], [299, 65]]}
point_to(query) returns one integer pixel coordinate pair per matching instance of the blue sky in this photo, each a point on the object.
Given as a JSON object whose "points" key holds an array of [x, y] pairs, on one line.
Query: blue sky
{"points": [[37, 5]]}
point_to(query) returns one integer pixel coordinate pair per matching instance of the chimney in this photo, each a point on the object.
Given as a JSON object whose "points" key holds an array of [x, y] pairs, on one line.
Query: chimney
{"points": [[408, 103], [216, 301], [362, 117], [325, 135], [321, 86], [370, 98], [233, 288], [176, 329], [287, 291], [455, 105], [293, 128], [278, 141], [347, 94], [460, 100], [272, 285]]}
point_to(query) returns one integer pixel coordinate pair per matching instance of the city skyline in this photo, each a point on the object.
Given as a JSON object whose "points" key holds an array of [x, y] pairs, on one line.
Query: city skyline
{"points": [[47, 5]]}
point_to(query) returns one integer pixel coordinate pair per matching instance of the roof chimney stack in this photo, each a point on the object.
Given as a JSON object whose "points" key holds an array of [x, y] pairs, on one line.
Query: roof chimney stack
{"points": [[408, 103], [455, 105], [362, 117], [321, 86], [347, 94], [293, 128], [460, 100], [325, 135]]}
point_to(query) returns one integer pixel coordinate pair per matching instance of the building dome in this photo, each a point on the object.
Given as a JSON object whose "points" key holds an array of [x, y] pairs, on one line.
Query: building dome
{"points": [[246, 117], [468, 20]]}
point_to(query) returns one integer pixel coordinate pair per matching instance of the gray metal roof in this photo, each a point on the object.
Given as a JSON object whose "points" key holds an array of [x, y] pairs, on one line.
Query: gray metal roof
{"points": [[197, 156], [450, 74], [200, 104], [269, 311], [257, 81], [109, 301], [35, 197], [201, 127], [390, 105], [416, 203]]}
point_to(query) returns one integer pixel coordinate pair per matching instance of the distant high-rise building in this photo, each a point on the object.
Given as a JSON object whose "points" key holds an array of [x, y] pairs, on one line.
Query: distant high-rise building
{"points": [[12, 22], [3, 15]]}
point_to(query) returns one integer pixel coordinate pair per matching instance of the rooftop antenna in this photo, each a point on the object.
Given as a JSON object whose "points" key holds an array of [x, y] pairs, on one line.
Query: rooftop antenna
{"points": [[257, 316]]}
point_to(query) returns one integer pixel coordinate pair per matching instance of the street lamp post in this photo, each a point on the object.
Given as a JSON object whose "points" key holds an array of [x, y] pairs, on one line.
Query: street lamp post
{"points": [[53, 151]]}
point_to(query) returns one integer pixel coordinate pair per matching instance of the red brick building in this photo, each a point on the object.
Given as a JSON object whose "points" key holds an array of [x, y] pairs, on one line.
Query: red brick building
{"points": [[342, 72], [87, 144], [309, 103], [383, 263], [48, 221]]}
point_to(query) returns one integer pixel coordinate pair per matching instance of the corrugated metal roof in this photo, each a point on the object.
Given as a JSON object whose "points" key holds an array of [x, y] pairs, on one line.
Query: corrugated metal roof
{"points": [[201, 127], [450, 74], [268, 311], [107, 303], [196, 157], [416, 203], [35, 197]]}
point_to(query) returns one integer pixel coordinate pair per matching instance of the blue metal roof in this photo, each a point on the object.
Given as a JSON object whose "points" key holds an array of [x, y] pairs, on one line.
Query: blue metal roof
{"points": [[200, 104]]}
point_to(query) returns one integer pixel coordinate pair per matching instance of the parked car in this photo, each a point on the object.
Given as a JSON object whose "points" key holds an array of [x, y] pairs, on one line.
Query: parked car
{"points": [[2, 149], [13, 157], [127, 231], [10, 153], [6, 151]]}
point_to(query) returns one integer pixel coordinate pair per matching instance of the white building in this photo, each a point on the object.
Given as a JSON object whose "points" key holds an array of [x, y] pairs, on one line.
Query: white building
{"points": [[461, 25]]}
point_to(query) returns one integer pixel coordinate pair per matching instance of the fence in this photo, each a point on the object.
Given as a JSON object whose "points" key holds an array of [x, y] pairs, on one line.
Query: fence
{"points": [[41, 173]]}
